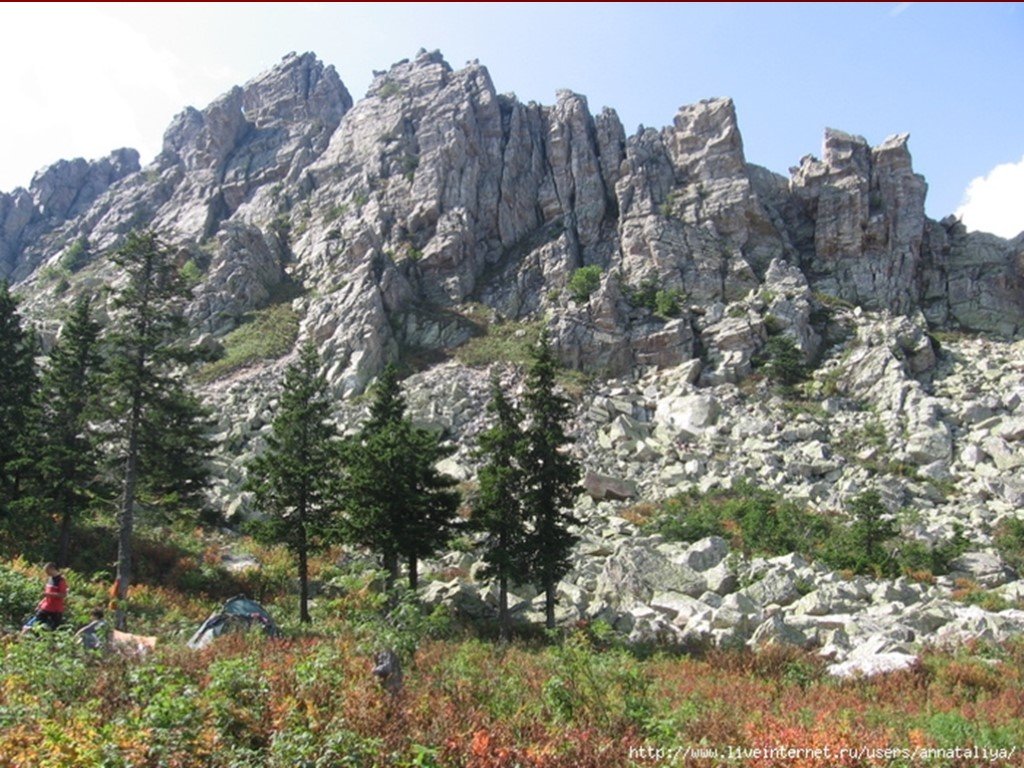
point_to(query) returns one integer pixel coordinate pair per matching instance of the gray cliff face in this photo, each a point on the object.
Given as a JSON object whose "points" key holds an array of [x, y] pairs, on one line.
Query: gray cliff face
{"points": [[974, 280], [251, 139], [866, 208], [435, 191], [32, 221]]}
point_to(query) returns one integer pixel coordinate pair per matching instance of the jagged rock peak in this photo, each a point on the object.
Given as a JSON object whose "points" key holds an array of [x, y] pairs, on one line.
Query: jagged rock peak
{"points": [[61, 191], [846, 151], [427, 72], [434, 190], [894, 153], [68, 187], [300, 87], [718, 112], [709, 132]]}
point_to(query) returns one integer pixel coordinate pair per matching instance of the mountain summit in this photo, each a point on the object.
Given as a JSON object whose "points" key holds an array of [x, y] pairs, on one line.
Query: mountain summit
{"points": [[435, 191]]}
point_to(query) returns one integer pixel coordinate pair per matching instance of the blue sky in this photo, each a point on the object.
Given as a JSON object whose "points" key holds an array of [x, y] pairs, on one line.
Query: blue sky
{"points": [[82, 79]]}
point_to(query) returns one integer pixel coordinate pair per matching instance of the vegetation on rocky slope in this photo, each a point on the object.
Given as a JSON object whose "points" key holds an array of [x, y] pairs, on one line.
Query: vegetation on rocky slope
{"points": [[763, 522], [575, 699], [267, 334]]}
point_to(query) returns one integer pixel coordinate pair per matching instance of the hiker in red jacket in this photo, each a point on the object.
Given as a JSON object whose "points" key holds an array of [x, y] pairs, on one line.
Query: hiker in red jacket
{"points": [[50, 610]]}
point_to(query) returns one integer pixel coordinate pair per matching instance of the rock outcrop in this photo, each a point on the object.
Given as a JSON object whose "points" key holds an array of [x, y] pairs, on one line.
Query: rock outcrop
{"points": [[32, 220], [435, 190]]}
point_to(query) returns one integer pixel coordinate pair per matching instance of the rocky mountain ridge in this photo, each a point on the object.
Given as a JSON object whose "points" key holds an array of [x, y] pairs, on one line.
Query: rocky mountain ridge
{"points": [[436, 211], [435, 190]]}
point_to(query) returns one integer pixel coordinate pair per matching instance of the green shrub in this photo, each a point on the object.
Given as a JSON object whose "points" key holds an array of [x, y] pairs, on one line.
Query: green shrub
{"points": [[757, 520], [50, 663], [61, 286], [389, 89], [664, 302], [983, 598], [667, 302], [784, 362], [281, 225], [53, 274], [668, 208], [950, 729], [501, 342], [396, 621], [864, 546], [773, 325], [584, 281], [238, 697], [191, 272], [645, 295], [18, 596], [919, 557], [335, 211], [832, 302], [1009, 541], [588, 687], [76, 255], [409, 165]]}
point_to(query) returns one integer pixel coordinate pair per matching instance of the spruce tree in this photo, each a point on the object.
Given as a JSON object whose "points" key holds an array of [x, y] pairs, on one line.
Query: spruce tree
{"points": [[552, 475], [870, 531], [173, 451], [785, 362], [69, 451], [396, 501], [18, 415], [862, 547], [292, 478], [148, 351], [498, 507]]}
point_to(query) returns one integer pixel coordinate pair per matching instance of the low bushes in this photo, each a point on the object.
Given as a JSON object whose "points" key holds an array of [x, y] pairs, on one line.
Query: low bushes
{"points": [[577, 700], [583, 282], [758, 521]]}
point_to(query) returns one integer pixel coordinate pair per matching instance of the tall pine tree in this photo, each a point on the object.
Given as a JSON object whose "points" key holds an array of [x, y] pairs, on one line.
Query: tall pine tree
{"points": [[149, 349], [69, 449], [173, 451], [396, 502], [552, 475], [292, 479], [498, 507], [18, 417]]}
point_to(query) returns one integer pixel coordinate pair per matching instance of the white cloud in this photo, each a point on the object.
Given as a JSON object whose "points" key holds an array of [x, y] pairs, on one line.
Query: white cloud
{"points": [[84, 82], [995, 202]]}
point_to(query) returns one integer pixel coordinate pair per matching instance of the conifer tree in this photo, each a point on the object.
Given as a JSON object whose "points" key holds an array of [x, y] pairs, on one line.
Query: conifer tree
{"points": [[18, 384], [870, 531], [552, 475], [69, 450], [292, 479], [173, 451], [148, 352], [498, 507], [396, 501]]}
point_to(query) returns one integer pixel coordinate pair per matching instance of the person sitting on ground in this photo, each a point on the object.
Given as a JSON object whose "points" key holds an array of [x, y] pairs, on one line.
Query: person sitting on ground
{"points": [[50, 611], [94, 635]]}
